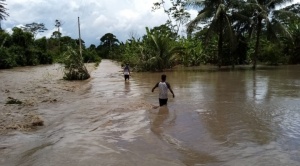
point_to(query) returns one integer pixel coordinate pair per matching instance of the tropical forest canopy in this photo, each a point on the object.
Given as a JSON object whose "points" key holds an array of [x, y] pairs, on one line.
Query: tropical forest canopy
{"points": [[224, 33]]}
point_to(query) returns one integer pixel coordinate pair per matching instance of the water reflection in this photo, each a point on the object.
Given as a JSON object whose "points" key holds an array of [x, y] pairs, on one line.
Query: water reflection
{"points": [[188, 155], [260, 88], [233, 117], [160, 118], [127, 87]]}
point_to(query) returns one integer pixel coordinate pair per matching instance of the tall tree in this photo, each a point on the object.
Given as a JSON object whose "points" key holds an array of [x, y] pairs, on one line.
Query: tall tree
{"points": [[109, 40], [35, 28], [107, 44], [215, 13], [263, 10], [21, 38], [3, 13], [58, 24], [177, 14], [58, 34], [22, 42], [290, 18]]}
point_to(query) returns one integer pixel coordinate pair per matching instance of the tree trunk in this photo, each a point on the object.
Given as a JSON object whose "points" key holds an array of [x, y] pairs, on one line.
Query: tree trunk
{"points": [[220, 41], [259, 25]]}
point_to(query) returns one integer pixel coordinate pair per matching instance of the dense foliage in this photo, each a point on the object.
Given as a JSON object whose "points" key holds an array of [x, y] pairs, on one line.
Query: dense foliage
{"points": [[74, 66], [21, 49], [224, 33]]}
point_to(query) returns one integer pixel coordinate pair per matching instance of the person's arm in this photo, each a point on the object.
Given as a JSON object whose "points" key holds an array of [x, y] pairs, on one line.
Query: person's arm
{"points": [[154, 87], [169, 87]]}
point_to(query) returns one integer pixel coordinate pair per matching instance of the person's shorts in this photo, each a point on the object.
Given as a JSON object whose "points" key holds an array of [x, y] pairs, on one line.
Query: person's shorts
{"points": [[163, 102], [126, 77]]}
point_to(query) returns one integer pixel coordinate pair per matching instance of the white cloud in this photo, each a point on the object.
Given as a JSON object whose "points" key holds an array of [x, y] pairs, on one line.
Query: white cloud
{"points": [[120, 17], [97, 17]]}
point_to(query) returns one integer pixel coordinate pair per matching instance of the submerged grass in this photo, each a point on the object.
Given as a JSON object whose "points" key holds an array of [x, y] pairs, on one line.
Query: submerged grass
{"points": [[13, 101]]}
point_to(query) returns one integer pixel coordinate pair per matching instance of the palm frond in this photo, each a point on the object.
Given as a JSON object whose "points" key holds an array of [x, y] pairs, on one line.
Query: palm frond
{"points": [[195, 3], [203, 15], [281, 29], [3, 13], [230, 34]]}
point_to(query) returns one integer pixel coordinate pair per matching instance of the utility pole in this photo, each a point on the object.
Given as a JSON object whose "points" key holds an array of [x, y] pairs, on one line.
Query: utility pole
{"points": [[80, 50]]}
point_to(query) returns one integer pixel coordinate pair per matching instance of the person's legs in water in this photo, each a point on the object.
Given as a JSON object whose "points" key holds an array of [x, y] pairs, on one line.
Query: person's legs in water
{"points": [[126, 77], [163, 102]]}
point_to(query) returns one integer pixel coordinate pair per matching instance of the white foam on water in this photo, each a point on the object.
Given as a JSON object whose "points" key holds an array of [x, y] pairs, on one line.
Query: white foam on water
{"points": [[201, 110]]}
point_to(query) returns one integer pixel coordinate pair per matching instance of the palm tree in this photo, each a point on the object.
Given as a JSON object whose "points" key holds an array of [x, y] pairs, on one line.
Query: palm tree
{"points": [[215, 14], [3, 12], [158, 47], [289, 17], [262, 11]]}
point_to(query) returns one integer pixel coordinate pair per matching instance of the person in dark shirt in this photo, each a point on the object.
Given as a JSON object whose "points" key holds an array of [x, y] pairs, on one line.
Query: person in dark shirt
{"points": [[126, 72]]}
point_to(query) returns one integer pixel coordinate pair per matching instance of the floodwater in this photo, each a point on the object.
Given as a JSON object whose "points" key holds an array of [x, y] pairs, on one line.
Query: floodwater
{"points": [[216, 118]]}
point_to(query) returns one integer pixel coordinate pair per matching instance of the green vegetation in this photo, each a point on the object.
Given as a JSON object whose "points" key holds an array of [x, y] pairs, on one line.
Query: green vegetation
{"points": [[74, 66], [224, 33], [3, 13], [21, 48]]}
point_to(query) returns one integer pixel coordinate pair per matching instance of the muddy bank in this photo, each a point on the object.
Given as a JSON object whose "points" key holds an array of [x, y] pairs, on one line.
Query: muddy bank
{"points": [[26, 89]]}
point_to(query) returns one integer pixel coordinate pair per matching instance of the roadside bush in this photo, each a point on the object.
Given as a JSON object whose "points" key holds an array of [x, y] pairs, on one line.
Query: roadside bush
{"points": [[19, 54], [272, 54], [31, 57], [74, 66], [6, 60], [44, 57]]}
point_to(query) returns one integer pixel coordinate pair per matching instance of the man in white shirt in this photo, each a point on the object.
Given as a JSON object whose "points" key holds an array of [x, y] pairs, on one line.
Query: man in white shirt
{"points": [[163, 90]]}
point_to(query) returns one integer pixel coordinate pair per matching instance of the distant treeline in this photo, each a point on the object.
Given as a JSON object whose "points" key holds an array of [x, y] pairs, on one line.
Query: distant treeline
{"points": [[22, 49], [224, 33]]}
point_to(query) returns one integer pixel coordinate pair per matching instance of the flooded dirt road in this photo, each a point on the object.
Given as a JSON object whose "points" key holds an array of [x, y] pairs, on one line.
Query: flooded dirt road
{"points": [[217, 118]]}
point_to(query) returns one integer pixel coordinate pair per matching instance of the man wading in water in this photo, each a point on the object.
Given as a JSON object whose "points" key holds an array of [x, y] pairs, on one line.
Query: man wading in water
{"points": [[126, 72], [163, 90]]}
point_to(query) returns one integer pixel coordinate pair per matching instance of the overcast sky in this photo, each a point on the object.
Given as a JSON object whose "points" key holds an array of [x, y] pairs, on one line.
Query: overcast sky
{"points": [[123, 18]]}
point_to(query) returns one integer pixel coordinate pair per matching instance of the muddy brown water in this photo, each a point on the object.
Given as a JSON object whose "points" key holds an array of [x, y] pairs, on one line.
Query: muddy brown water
{"points": [[217, 118]]}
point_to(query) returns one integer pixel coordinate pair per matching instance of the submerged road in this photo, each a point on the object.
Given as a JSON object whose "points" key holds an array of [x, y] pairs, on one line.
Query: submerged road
{"points": [[217, 118]]}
